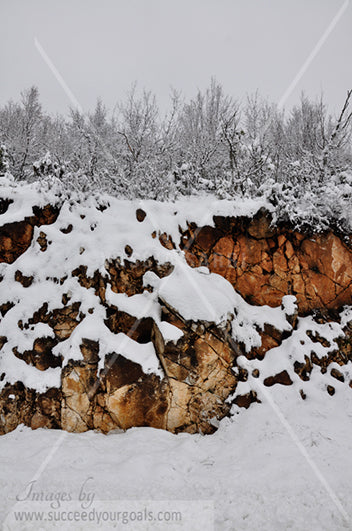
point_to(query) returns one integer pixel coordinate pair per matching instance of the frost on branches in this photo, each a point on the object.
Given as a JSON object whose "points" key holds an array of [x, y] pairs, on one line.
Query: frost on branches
{"points": [[299, 160]]}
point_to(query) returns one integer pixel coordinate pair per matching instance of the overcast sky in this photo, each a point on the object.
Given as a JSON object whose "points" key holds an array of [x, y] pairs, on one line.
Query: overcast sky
{"points": [[100, 47]]}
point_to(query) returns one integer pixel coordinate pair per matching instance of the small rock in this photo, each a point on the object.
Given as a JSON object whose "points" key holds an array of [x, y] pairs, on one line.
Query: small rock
{"points": [[335, 373], [25, 281], [128, 250], [67, 230], [42, 241], [166, 241], [281, 378], [246, 400], [140, 215]]}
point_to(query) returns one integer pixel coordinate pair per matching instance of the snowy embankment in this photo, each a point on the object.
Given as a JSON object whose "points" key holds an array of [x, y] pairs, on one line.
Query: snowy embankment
{"points": [[284, 463], [92, 231]]}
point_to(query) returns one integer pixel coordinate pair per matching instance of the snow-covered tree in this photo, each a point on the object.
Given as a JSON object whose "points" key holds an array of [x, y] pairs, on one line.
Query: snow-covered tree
{"points": [[4, 160]]}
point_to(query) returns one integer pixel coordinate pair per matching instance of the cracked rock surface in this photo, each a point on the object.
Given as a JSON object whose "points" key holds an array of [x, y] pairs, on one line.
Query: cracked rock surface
{"points": [[264, 263]]}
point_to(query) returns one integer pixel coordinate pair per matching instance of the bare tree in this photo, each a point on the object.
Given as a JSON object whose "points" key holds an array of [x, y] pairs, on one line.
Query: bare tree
{"points": [[31, 119]]}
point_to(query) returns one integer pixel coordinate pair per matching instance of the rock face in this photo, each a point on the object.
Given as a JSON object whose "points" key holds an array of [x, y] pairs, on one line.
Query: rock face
{"points": [[15, 238], [200, 368], [263, 263], [198, 379]]}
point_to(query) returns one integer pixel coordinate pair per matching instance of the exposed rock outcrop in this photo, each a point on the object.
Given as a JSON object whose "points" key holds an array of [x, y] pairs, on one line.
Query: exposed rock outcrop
{"points": [[264, 263], [200, 368], [15, 238], [192, 394]]}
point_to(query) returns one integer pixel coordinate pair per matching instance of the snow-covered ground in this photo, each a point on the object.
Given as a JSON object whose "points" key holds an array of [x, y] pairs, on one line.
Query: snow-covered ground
{"points": [[252, 471]]}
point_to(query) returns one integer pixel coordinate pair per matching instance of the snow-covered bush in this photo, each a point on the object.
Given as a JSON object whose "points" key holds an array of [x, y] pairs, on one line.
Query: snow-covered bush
{"points": [[300, 161]]}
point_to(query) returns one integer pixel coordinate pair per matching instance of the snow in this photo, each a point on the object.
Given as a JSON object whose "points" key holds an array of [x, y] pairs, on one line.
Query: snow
{"points": [[289, 304], [197, 296], [139, 305], [170, 332], [93, 328], [251, 471], [24, 197], [17, 370]]}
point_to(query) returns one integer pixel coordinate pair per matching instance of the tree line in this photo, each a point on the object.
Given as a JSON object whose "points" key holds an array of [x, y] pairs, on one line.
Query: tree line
{"points": [[300, 160]]}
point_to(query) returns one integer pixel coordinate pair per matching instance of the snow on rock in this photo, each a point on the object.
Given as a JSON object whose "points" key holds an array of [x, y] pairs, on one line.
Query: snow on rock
{"points": [[105, 293], [289, 304], [304, 359], [197, 295], [170, 332], [91, 231]]}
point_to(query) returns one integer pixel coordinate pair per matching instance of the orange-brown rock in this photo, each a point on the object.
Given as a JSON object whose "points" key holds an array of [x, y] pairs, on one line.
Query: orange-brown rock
{"points": [[138, 329], [25, 281], [19, 405], [140, 215], [42, 240], [191, 259], [15, 238], [270, 338], [62, 320], [166, 241], [127, 277], [260, 226], [128, 250], [79, 385], [263, 263], [246, 400], [143, 404], [206, 237], [335, 373]]}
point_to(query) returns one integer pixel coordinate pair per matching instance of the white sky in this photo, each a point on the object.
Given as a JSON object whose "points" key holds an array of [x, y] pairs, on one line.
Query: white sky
{"points": [[101, 47]]}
